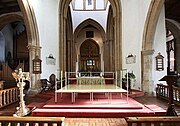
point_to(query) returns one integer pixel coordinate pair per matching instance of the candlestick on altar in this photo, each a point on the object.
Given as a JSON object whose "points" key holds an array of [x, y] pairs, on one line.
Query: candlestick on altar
{"points": [[22, 110]]}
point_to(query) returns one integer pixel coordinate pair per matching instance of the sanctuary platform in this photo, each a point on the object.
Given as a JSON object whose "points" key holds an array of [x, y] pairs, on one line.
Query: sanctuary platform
{"points": [[99, 107]]}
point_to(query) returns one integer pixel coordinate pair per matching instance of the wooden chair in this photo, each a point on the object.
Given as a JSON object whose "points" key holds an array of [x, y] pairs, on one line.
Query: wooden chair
{"points": [[52, 81], [44, 84], [48, 84]]}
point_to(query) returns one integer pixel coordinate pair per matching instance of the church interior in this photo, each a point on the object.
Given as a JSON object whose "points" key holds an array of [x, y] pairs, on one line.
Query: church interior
{"points": [[90, 62]]}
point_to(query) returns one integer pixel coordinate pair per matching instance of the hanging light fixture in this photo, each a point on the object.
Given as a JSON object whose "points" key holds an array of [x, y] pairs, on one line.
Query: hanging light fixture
{"points": [[37, 65]]}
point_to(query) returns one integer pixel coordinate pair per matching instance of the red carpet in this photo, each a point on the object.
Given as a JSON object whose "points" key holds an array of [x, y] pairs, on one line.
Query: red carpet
{"points": [[83, 107]]}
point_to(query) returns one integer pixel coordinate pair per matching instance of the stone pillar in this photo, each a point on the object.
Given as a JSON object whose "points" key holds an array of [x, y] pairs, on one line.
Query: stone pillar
{"points": [[111, 55], [62, 64], [118, 46], [106, 56], [62, 45], [35, 85], [69, 56], [74, 56], [147, 82]]}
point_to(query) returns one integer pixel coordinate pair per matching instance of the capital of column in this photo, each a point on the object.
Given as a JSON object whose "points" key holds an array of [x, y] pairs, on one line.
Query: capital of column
{"points": [[33, 47], [147, 52], [69, 40]]}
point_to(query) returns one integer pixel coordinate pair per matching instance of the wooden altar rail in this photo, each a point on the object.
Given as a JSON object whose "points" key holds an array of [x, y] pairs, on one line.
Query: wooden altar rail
{"points": [[162, 91], [153, 121], [31, 121], [8, 96]]}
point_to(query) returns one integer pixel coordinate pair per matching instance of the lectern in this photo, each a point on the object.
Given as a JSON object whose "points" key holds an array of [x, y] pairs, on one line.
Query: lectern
{"points": [[171, 80]]}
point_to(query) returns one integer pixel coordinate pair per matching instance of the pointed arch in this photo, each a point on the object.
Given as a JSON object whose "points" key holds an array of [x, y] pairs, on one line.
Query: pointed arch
{"points": [[6, 19], [151, 23], [89, 50], [90, 22], [147, 44], [33, 42], [174, 27], [109, 43], [116, 5]]}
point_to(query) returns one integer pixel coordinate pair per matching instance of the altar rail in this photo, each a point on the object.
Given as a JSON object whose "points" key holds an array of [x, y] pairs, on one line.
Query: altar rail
{"points": [[153, 121], [8, 96], [31, 121], [162, 91]]}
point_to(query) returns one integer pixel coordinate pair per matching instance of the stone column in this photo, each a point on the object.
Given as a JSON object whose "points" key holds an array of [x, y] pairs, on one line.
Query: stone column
{"points": [[74, 55], [61, 44], [111, 55], [106, 55], [118, 45], [35, 85], [147, 82], [68, 47]]}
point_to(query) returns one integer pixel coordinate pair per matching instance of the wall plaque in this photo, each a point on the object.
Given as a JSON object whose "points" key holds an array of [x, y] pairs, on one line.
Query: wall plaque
{"points": [[130, 59], [50, 60]]}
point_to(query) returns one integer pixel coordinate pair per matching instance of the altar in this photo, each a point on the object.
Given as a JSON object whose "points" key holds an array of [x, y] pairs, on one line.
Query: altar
{"points": [[89, 84], [91, 80]]}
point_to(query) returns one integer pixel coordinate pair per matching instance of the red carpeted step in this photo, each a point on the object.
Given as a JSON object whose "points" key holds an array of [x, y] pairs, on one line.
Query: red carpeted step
{"points": [[99, 107], [45, 95], [98, 103], [94, 112], [156, 109], [36, 104]]}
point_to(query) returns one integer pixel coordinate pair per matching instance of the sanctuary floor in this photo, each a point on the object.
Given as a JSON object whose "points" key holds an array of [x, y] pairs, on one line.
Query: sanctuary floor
{"points": [[10, 110]]}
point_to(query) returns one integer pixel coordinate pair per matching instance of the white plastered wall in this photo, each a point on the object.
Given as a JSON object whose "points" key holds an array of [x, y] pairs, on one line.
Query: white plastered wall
{"points": [[46, 12], [133, 20], [80, 16], [160, 46], [134, 14]]}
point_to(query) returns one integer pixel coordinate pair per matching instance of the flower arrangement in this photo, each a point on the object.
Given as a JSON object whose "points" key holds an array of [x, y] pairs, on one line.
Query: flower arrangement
{"points": [[130, 75]]}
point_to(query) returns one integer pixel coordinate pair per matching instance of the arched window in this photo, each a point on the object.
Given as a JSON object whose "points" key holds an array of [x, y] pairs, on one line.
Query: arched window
{"points": [[171, 53], [89, 5]]}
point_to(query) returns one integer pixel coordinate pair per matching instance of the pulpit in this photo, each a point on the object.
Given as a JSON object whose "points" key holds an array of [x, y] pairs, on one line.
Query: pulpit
{"points": [[171, 80]]}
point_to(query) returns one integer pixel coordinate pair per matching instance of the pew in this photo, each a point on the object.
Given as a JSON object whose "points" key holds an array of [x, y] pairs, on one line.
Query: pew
{"points": [[31, 121], [8, 96], [153, 121]]}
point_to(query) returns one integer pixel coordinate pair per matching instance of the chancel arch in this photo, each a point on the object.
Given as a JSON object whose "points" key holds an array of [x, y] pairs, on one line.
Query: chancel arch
{"points": [[90, 31], [89, 59], [116, 7]]}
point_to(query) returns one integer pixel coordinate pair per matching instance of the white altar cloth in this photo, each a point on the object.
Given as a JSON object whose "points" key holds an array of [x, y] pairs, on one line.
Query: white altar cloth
{"points": [[90, 80]]}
